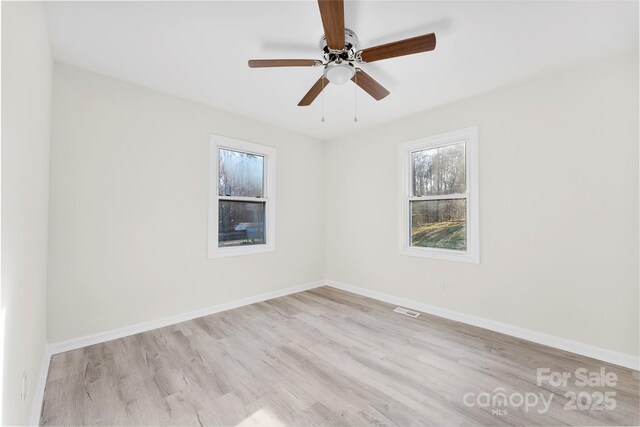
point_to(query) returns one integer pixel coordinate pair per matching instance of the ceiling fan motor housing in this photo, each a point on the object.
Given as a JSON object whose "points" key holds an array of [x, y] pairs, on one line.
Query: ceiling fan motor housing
{"points": [[349, 51], [339, 67]]}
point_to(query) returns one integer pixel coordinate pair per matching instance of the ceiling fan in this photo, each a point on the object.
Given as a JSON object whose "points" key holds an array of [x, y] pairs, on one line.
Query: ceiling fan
{"points": [[341, 55]]}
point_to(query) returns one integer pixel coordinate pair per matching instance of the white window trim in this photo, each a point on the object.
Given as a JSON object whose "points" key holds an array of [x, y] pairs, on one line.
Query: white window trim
{"points": [[472, 254], [215, 143]]}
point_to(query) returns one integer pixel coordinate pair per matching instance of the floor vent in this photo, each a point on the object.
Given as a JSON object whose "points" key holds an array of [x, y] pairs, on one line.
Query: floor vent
{"points": [[407, 312]]}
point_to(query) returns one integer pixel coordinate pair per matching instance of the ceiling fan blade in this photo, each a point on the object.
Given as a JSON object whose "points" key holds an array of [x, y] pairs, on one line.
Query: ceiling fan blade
{"points": [[369, 85], [332, 13], [313, 92], [400, 48], [263, 63]]}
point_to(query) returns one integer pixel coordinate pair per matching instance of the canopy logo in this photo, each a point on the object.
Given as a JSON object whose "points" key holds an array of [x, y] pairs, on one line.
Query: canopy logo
{"points": [[584, 400], [499, 400]]}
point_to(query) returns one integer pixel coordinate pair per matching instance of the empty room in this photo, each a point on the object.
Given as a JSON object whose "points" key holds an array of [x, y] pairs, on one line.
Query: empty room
{"points": [[320, 213]]}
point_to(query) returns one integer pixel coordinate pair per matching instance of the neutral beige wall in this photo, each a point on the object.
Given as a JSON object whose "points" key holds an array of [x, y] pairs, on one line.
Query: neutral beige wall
{"points": [[558, 207], [129, 206], [26, 117]]}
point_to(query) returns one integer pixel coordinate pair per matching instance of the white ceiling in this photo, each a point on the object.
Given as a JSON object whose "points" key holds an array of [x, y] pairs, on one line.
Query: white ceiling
{"points": [[199, 51]]}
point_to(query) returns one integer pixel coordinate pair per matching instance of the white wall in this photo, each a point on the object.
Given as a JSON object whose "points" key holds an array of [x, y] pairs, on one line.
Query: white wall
{"points": [[26, 117], [558, 207], [129, 205]]}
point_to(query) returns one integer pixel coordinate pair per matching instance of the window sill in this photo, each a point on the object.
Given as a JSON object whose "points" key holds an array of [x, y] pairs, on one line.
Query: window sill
{"points": [[441, 254], [239, 251]]}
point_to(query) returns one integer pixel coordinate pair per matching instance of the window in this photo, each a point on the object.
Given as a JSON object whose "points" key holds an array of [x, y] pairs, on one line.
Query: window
{"points": [[439, 207], [241, 197]]}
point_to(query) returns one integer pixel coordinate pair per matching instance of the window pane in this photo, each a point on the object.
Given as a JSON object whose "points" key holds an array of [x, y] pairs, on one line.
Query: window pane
{"points": [[439, 224], [438, 171], [240, 223], [241, 174]]}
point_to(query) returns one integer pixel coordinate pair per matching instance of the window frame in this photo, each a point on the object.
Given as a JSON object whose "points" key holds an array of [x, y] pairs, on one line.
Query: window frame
{"points": [[469, 136], [216, 142]]}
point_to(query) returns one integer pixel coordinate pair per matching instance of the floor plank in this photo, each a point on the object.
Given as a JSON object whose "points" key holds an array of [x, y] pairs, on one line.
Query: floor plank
{"points": [[324, 357]]}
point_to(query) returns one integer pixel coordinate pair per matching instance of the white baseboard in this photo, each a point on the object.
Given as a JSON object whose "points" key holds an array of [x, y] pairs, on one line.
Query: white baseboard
{"points": [[75, 343], [605, 355], [38, 393], [610, 356]]}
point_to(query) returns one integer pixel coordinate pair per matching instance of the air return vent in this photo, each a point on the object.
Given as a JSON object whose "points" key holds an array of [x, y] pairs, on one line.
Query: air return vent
{"points": [[407, 312]]}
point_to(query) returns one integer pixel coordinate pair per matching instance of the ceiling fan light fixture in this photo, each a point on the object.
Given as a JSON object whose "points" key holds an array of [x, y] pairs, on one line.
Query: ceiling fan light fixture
{"points": [[339, 73]]}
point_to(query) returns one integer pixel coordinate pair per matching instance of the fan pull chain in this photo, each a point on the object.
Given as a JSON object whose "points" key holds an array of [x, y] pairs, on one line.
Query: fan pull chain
{"points": [[322, 119], [355, 98]]}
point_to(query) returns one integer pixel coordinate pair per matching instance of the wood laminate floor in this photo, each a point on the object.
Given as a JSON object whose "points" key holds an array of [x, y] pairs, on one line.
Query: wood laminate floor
{"points": [[325, 358]]}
